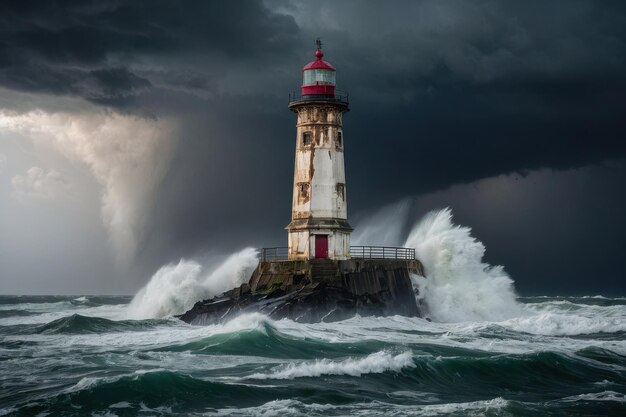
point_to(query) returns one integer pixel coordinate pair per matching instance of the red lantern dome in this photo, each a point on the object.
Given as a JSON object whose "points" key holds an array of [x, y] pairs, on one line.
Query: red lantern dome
{"points": [[318, 77]]}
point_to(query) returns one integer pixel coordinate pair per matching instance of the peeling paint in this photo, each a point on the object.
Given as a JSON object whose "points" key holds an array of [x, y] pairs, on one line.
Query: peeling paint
{"points": [[340, 188]]}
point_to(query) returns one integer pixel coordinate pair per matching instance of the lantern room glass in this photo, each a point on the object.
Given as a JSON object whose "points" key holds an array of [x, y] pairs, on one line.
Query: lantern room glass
{"points": [[319, 77]]}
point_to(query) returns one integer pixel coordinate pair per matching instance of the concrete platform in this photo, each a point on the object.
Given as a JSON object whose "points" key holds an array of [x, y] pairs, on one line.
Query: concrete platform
{"points": [[318, 290]]}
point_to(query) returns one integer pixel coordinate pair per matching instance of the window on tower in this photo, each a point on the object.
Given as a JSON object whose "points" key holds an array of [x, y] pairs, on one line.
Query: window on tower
{"points": [[341, 190], [319, 77], [303, 190], [307, 138], [339, 139]]}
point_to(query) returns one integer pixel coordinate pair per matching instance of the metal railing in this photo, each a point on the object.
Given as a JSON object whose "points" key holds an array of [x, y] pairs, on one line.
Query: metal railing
{"points": [[340, 96], [382, 252], [359, 252], [275, 254]]}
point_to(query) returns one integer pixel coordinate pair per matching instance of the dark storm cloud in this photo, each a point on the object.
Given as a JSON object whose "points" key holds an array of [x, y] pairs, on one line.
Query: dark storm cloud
{"points": [[61, 46], [111, 86], [88, 32], [115, 85]]}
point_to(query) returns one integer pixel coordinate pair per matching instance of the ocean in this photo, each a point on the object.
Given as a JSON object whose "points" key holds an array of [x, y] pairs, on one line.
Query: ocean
{"points": [[80, 356], [478, 350]]}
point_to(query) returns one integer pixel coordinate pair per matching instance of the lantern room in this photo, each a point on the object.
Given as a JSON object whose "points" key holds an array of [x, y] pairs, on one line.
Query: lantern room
{"points": [[318, 77]]}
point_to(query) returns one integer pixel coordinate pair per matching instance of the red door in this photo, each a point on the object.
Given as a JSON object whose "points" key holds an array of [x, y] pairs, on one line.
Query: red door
{"points": [[321, 246]]}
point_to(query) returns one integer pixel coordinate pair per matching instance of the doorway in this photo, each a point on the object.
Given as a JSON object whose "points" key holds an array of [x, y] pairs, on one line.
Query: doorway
{"points": [[321, 246]]}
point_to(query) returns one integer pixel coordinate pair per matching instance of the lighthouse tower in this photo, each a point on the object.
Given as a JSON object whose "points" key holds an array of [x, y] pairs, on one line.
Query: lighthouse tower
{"points": [[319, 226], [319, 277]]}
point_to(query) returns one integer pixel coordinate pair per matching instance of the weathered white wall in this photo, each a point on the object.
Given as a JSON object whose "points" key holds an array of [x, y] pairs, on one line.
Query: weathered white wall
{"points": [[299, 245], [319, 165], [319, 186], [342, 245]]}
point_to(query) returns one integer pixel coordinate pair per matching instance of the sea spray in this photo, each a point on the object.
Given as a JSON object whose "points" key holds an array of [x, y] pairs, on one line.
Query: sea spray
{"points": [[234, 271], [459, 286], [383, 227], [175, 288]]}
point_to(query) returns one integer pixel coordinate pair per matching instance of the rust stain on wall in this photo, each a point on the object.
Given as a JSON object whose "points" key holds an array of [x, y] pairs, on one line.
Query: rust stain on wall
{"points": [[304, 194], [312, 156]]}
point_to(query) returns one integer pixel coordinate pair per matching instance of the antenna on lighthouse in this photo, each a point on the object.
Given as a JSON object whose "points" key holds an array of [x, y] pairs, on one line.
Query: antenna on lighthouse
{"points": [[318, 43]]}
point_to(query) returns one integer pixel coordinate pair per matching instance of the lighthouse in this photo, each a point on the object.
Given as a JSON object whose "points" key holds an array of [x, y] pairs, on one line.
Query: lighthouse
{"points": [[319, 276], [319, 227]]}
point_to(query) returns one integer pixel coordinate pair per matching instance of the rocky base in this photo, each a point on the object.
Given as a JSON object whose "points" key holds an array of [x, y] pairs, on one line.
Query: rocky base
{"points": [[317, 290]]}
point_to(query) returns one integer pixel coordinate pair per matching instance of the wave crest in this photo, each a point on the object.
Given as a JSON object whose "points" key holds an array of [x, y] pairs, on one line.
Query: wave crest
{"points": [[459, 286], [375, 363], [175, 288], [78, 324]]}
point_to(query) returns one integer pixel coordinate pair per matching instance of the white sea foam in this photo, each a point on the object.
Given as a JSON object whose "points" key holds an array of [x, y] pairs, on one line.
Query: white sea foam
{"points": [[470, 335], [375, 363], [467, 408], [90, 382], [121, 404], [459, 285], [276, 408], [175, 288], [597, 396], [374, 408], [553, 324]]}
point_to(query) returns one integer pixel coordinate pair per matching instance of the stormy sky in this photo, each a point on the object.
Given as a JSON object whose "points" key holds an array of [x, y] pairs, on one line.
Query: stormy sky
{"points": [[134, 133]]}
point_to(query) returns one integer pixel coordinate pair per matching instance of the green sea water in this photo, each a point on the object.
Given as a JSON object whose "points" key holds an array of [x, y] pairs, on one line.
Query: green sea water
{"points": [[83, 356]]}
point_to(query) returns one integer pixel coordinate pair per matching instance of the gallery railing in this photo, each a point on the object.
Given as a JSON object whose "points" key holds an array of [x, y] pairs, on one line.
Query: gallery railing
{"points": [[359, 252], [337, 95], [382, 252]]}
